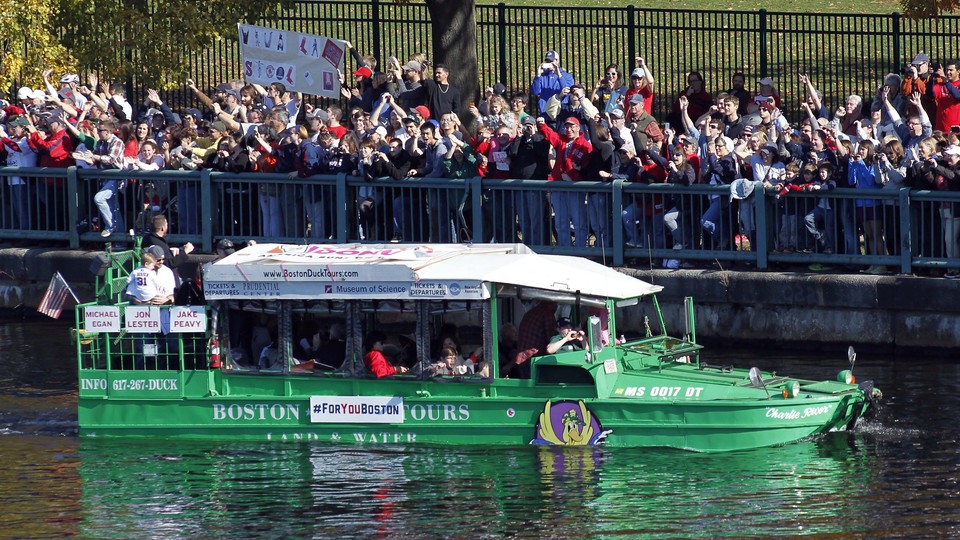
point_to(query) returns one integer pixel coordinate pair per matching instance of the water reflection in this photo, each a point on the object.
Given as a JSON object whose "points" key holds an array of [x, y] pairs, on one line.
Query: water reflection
{"points": [[897, 477], [165, 489]]}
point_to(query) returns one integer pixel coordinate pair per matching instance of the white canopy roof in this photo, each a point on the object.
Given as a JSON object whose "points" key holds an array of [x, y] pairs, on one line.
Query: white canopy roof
{"points": [[405, 271]]}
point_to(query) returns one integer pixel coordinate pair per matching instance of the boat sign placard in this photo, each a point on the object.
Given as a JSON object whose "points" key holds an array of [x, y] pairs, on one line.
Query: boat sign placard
{"points": [[356, 409], [101, 318], [188, 319], [142, 319]]}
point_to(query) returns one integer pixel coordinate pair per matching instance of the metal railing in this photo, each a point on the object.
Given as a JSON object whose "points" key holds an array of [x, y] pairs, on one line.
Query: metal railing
{"points": [[618, 222]]}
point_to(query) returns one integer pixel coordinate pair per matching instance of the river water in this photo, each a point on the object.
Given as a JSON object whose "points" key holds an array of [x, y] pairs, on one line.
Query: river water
{"points": [[896, 477]]}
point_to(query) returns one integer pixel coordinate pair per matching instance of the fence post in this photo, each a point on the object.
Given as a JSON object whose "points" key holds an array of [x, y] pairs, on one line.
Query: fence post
{"points": [[895, 31], [340, 209], [631, 34], [72, 208], [502, 38], [906, 239], [475, 188], [616, 228], [206, 211], [375, 22], [760, 222], [763, 42]]}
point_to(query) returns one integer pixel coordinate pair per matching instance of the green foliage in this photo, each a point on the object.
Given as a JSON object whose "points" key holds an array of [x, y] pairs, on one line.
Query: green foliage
{"points": [[28, 43], [152, 41]]}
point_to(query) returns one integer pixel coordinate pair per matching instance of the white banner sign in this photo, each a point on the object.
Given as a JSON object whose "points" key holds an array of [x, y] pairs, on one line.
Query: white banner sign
{"points": [[188, 319], [142, 319], [302, 62], [101, 319], [356, 409]]}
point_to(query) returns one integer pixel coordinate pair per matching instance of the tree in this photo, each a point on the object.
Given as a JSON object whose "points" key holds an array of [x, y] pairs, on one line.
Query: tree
{"points": [[29, 44], [152, 41], [454, 24], [921, 9]]}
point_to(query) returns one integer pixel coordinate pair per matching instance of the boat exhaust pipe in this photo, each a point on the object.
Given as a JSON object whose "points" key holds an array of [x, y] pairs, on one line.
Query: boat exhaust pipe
{"points": [[690, 326]]}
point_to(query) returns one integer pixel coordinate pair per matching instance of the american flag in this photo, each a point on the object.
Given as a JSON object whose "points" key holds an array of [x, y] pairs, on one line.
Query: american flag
{"points": [[52, 303]]}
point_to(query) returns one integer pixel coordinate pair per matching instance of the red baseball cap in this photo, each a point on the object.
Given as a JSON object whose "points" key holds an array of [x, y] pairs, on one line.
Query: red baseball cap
{"points": [[363, 72]]}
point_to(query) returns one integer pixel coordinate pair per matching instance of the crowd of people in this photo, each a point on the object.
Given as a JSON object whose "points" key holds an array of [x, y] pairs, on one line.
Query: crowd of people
{"points": [[407, 120]]}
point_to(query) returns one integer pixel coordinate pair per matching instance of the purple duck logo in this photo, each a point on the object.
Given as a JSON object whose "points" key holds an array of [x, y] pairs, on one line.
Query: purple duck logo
{"points": [[568, 423]]}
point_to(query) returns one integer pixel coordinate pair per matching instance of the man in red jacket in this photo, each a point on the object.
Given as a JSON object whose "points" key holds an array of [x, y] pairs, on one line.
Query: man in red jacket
{"points": [[946, 92], [54, 148], [568, 206]]}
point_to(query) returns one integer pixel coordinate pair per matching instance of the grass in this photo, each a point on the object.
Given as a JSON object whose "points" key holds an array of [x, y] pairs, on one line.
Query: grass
{"points": [[795, 6]]}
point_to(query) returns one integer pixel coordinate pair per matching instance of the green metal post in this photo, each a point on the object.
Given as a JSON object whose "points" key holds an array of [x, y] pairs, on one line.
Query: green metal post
{"points": [[73, 209], [617, 221], [206, 210]]}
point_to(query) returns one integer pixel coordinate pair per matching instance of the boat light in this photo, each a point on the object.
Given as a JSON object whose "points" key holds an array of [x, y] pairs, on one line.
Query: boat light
{"points": [[791, 390], [846, 376]]}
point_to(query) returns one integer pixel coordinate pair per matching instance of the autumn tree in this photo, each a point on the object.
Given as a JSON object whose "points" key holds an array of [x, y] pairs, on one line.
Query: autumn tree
{"points": [[29, 43], [152, 41], [921, 9]]}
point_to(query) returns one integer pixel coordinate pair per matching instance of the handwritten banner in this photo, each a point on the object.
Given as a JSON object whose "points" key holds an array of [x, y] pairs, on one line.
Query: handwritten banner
{"points": [[302, 62]]}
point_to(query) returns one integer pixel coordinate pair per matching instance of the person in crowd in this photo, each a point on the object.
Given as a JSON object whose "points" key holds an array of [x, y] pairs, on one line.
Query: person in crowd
{"points": [[550, 80], [641, 83], [573, 152], [373, 359], [916, 80], [529, 157], [108, 154], [821, 221], [946, 93], [608, 92], [15, 149], [698, 99], [737, 89], [947, 170], [438, 94]]}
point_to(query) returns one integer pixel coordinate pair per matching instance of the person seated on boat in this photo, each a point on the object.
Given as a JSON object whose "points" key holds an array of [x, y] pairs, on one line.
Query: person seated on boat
{"points": [[569, 339], [373, 358], [332, 353], [451, 363], [311, 337], [475, 360], [270, 355], [536, 328]]}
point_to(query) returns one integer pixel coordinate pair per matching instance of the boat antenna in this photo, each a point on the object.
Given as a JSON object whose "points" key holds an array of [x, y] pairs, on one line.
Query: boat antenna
{"points": [[757, 380]]}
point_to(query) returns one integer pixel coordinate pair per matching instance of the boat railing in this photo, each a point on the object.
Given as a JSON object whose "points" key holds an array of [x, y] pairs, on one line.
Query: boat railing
{"points": [[655, 351], [102, 345]]}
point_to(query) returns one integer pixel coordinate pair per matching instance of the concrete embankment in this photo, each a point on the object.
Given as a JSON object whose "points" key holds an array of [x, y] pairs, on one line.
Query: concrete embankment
{"points": [[901, 312]]}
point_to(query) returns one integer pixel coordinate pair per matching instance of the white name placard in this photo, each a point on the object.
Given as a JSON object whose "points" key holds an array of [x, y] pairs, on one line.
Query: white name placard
{"points": [[101, 319]]}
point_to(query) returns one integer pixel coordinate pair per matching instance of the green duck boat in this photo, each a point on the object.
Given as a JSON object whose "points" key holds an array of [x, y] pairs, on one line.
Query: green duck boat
{"points": [[438, 344]]}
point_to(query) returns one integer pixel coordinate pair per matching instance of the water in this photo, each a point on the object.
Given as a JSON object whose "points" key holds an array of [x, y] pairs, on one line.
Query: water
{"points": [[897, 477]]}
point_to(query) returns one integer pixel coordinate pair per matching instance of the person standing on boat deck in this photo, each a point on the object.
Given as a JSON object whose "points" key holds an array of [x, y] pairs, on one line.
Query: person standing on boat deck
{"points": [[166, 289], [142, 289], [174, 256], [373, 358], [568, 339], [536, 328]]}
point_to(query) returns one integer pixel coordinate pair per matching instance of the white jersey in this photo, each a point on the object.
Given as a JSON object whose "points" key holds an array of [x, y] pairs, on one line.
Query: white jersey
{"points": [[142, 284], [166, 281]]}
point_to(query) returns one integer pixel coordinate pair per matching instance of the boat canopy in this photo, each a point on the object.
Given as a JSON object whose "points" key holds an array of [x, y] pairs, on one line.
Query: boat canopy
{"points": [[411, 271]]}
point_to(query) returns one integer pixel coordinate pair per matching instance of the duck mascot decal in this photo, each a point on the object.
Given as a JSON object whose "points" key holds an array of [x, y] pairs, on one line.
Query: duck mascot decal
{"points": [[568, 423]]}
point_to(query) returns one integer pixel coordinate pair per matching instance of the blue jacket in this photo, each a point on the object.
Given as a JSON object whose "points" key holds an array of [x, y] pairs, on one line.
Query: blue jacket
{"points": [[549, 83]]}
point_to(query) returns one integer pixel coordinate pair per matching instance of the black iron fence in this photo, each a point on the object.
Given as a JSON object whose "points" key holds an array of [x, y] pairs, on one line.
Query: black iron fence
{"points": [[843, 53]]}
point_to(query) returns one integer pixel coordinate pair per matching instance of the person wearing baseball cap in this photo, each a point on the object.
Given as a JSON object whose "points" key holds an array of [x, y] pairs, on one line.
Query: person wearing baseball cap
{"points": [[641, 82], [568, 339], [550, 81], [573, 151]]}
